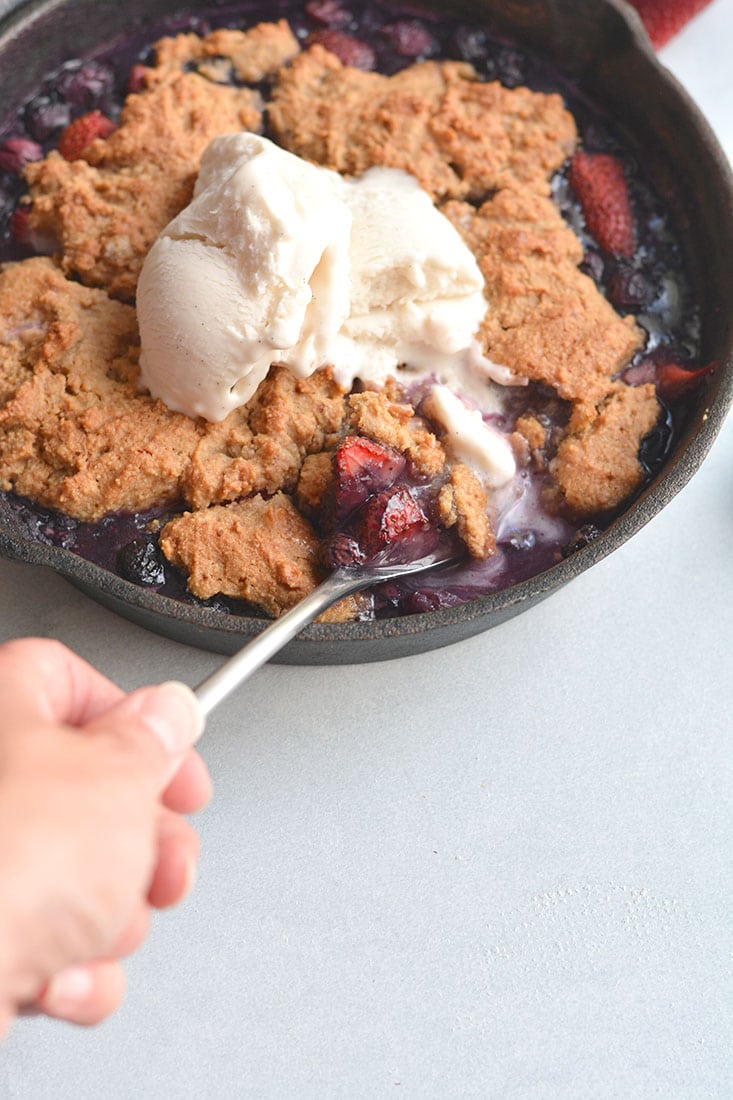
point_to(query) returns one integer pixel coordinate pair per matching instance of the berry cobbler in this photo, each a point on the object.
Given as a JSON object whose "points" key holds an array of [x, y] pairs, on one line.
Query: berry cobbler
{"points": [[283, 295]]}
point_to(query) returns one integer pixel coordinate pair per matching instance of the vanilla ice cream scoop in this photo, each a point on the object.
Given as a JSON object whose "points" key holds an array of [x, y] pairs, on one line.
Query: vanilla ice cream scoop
{"points": [[276, 260]]}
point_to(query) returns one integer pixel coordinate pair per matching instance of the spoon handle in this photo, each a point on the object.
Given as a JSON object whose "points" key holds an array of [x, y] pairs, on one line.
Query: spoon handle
{"points": [[238, 668]]}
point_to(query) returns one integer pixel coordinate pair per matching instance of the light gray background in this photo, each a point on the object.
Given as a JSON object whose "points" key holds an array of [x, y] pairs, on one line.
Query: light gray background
{"points": [[497, 870]]}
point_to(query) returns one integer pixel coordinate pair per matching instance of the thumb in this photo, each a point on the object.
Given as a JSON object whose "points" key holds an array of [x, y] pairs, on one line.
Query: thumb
{"points": [[164, 721]]}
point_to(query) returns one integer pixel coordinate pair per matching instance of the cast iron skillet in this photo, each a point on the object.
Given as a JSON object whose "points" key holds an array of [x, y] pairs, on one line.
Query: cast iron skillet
{"points": [[601, 44]]}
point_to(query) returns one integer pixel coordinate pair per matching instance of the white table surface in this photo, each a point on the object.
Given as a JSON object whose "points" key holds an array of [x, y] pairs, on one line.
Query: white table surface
{"points": [[497, 870]]}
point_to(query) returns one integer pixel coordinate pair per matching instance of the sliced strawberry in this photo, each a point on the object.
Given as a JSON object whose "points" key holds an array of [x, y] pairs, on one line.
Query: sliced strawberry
{"points": [[363, 467], [672, 380], [664, 18], [391, 518], [82, 131], [600, 184]]}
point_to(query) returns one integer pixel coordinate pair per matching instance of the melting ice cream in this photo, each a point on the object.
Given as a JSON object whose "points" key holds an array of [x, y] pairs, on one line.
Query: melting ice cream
{"points": [[277, 260]]}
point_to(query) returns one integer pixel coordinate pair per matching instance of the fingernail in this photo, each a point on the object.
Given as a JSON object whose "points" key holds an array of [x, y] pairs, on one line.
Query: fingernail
{"points": [[68, 988], [173, 714]]}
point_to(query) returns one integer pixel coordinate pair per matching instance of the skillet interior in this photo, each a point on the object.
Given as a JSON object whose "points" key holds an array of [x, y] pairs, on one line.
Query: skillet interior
{"points": [[601, 45]]}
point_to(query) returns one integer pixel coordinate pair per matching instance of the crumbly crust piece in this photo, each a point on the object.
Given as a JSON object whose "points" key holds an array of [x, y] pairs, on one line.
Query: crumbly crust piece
{"points": [[597, 465], [315, 482], [260, 550], [533, 432], [250, 55], [75, 433], [374, 414], [78, 435], [106, 210], [546, 320], [462, 503], [261, 446], [462, 138]]}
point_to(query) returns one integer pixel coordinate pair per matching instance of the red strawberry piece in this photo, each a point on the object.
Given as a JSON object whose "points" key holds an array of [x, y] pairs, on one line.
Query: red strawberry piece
{"points": [[328, 12], [600, 184], [86, 85], [136, 79], [362, 468], [82, 131], [673, 381], [16, 152], [349, 50], [19, 225], [390, 519], [664, 18]]}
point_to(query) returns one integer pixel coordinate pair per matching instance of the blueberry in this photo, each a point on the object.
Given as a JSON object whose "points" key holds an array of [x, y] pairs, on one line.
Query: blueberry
{"points": [[84, 84], [630, 289], [343, 550], [44, 116], [471, 44], [656, 445], [596, 138], [409, 38], [593, 266], [8, 199], [140, 561], [510, 68]]}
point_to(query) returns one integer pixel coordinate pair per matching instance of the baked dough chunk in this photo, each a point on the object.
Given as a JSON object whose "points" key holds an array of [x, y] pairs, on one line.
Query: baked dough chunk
{"points": [[315, 483], [105, 210], [251, 55], [546, 320], [462, 138], [596, 465], [260, 550], [261, 446], [462, 503], [75, 432]]}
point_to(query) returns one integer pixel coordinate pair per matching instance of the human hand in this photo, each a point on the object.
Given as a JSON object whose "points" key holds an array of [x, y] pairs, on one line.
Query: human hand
{"points": [[93, 783]]}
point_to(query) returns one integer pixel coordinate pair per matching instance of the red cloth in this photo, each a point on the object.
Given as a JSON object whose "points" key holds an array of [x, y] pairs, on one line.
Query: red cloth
{"points": [[664, 18]]}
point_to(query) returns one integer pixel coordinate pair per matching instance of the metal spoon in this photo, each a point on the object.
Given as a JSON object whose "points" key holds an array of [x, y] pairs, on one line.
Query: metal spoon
{"points": [[340, 583]]}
